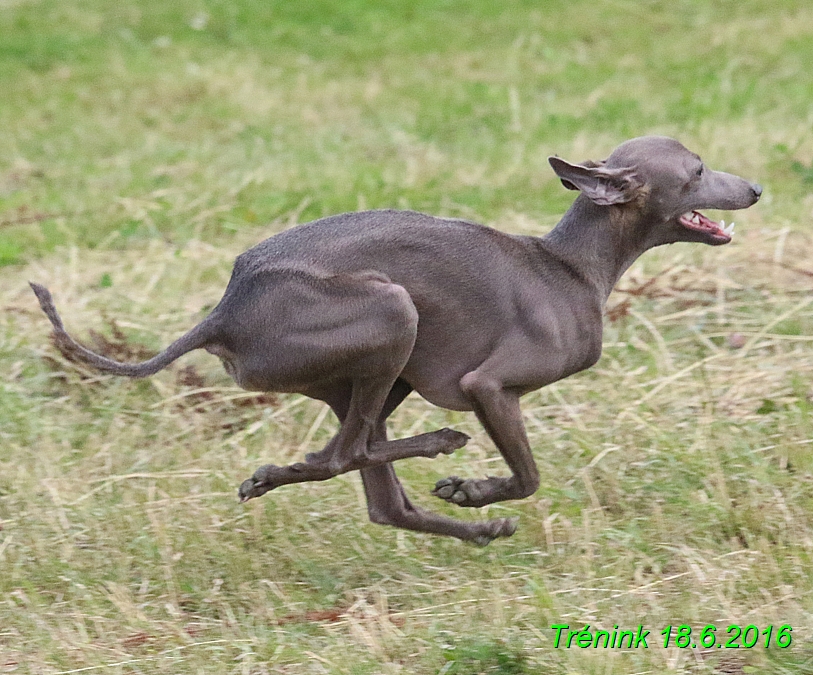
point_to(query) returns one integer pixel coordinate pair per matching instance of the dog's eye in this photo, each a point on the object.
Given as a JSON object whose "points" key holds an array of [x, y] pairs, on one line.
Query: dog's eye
{"points": [[699, 172]]}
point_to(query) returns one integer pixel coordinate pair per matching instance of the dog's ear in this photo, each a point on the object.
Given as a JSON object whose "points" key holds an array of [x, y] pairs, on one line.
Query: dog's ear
{"points": [[601, 185]]}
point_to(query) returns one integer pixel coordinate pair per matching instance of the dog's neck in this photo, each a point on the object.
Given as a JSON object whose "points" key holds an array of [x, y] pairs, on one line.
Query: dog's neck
{"points": [[596, 243]]}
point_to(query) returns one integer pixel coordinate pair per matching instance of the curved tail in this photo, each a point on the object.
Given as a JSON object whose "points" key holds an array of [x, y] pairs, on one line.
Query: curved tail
{"points": [[200, 336]]}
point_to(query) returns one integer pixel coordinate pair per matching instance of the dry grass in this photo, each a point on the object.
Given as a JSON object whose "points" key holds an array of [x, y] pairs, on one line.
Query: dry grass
{"points": [[145, 146], [677, 488]]}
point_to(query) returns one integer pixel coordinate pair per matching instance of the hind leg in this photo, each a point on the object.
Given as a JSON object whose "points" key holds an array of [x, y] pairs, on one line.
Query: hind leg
{"points": [[388, 504], [382, 450], [357, 446], [348, 337], [347, 341]]}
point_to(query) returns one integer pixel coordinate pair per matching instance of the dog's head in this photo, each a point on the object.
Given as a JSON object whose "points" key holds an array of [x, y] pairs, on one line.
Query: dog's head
{"points": [[658, 185]]}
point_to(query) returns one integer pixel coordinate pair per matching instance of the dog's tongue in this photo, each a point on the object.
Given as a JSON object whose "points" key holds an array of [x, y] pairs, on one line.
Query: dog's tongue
{"points": [[694, 220]]}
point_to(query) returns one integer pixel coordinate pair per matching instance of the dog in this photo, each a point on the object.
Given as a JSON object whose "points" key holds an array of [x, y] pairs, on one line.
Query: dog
{"points": [[358, 310]]}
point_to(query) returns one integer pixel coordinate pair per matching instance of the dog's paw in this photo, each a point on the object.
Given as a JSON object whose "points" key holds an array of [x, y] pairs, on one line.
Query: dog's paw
{"points": [[499, 527], [459, 491], [451, 440], [261, 482], [249, 489]]}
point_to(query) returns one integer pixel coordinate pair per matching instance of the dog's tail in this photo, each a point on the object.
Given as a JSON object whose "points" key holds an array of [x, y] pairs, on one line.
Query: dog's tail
{"points": [[200, 336]]}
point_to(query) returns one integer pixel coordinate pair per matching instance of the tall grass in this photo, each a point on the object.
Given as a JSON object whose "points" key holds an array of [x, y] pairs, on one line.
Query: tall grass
{"points": [[143, 146]]}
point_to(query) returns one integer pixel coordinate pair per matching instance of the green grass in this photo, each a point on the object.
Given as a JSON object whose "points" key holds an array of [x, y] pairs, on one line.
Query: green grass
{"points": [[143, 145]]}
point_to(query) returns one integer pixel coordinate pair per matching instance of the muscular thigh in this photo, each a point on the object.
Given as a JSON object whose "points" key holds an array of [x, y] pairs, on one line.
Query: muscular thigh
{"points": [[289, 330]]}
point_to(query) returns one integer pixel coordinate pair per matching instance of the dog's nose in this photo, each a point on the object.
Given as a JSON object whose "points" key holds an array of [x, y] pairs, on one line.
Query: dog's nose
{"points": [[757, 188]]}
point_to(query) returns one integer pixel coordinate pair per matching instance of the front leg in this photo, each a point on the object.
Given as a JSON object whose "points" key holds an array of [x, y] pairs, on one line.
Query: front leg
{"points": [[499, 412]]}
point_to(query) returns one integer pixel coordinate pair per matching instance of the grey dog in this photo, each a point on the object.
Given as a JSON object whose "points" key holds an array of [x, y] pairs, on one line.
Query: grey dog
{"points": [[358, 310]]}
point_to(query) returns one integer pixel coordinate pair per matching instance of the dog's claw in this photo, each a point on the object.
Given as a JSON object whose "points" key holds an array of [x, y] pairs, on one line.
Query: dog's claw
{"points": [[261, 482], [247, 490]]}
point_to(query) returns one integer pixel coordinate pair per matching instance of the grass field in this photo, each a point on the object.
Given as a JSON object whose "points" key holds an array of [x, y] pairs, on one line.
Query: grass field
{"points": [[144, 144]]}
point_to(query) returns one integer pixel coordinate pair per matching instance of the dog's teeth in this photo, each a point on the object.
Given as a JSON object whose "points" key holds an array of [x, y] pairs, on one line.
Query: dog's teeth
{"points": [[722, 225]]}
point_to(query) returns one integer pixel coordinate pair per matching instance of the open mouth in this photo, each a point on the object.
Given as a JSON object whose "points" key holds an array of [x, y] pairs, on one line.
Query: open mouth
{"points": [[694, 220]]}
